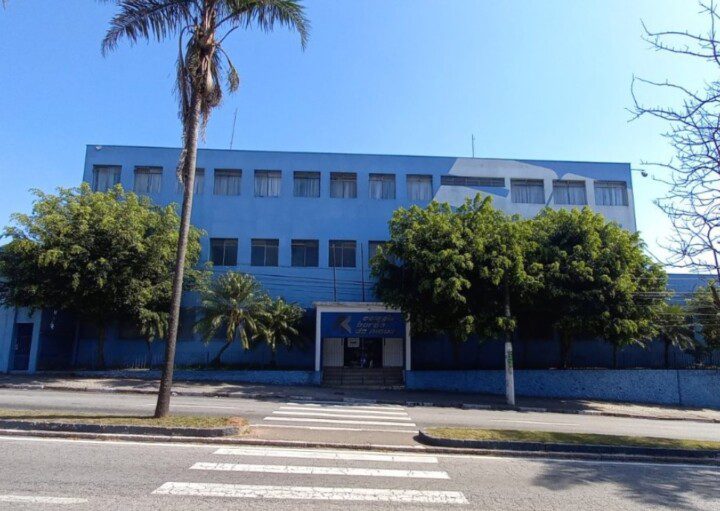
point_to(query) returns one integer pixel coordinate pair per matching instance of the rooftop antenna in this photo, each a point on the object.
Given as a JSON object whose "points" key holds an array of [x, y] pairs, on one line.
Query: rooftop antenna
{"points": [[472, 143], [232, 135]]}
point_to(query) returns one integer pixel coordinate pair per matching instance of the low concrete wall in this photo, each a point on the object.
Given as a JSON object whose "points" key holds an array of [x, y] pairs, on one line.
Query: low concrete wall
{"points": [[696, 388], [262, 377]]}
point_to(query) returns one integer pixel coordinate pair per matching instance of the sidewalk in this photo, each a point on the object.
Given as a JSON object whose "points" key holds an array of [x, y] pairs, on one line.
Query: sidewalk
{"points": [[66, 382]]}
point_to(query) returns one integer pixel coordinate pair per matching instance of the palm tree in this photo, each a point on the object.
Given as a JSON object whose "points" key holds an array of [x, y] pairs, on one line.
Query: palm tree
{"points": [[201, 26], [236, 303], [278, 327]]}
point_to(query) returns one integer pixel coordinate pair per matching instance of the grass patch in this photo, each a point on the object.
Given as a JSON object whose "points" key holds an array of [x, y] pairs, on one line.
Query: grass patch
{"points": [[172, 421], [551, 437]]}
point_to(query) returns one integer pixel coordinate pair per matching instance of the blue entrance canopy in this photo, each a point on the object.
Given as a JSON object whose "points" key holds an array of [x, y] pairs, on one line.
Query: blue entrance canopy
{"points": [[362, 324]]}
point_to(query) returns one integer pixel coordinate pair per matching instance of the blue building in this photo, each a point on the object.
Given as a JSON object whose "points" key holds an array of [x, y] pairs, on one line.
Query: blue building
{"points": [[306, 225]]}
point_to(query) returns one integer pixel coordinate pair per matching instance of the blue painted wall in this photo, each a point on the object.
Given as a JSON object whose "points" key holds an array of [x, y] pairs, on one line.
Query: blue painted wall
{"points": [[695, 388]]}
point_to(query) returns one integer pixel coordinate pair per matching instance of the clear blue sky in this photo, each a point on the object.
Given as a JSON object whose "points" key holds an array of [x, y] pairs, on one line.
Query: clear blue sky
{"points": [[531, 79]]}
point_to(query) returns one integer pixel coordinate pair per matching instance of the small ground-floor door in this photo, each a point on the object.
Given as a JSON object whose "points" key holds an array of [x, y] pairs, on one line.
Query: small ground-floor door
{"points": [[363, 352], [23, 341]]}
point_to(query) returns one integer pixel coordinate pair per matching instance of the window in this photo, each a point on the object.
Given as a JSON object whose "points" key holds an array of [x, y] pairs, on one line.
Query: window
{"points": [[611, 193], [373, 248], [419, 187], [342, 254], [148, 179], [527, 191], [306, 184], [305, 252], [343, 185], [227, 182], [487, 182], [224, 251], [199, 183], [267, 183], [569, 192], [105, 177], [382, 186], [264, 252]]}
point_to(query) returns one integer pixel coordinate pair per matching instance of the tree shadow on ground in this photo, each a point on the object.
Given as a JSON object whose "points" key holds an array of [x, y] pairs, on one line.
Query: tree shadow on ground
{"points": [[671, 487]]}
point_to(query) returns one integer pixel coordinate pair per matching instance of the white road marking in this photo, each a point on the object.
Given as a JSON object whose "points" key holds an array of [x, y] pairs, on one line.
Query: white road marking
{"points": [[339, 409], [34, 499], [331, 428], [536, 422], [330, 471], [310, 493], [326, 455], [341, 421], [341, 415], [340, 404]]}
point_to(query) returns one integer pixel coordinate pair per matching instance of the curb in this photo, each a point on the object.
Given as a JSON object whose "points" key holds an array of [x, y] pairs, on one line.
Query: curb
{"points": [[74, 427], [261, 396], [605, 452], [427, 450]]}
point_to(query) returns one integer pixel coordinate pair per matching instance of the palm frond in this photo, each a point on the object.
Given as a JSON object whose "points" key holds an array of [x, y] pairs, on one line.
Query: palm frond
{"points": [[265, 14], [147, 19]]}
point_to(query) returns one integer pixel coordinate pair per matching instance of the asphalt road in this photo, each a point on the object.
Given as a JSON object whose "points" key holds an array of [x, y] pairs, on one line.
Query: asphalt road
{"points": [[54, 474], [328, 421]]}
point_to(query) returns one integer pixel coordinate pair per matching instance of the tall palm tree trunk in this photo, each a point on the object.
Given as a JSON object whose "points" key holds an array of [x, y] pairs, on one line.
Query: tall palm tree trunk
{"points": [[190, 141]]}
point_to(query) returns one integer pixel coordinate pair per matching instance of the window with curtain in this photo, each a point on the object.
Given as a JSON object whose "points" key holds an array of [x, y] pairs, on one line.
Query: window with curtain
{"points": [[419, 187], [305, 252], [105, 177], [569, 192], [487, 182], [527, 191], [342, 254], [223, 251], [306, 184], [199, 183], [611, 193], [148, 180], [267, 183], [264, 252], [382, 186], [343, 185], [227, 182]]}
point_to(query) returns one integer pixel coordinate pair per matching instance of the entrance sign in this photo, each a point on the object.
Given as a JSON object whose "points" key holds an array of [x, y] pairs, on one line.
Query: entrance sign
{"points": [[362, 324]]}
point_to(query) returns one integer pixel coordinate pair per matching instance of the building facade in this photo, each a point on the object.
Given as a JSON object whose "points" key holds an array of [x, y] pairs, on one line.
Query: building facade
{"points": [[306, 225]]}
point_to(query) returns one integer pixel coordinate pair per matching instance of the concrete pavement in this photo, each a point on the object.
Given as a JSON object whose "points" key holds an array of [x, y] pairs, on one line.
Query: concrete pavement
{"points": [[353, 423], [63, 381], [76, 474]]}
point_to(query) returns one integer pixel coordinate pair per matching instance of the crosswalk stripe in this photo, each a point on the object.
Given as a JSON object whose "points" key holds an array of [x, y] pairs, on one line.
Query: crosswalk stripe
{"points": [[326, 455], [294, 469], [342, 421], [309, 493], [341, 415], [340, 409], [340, 404], [333, 428], [36, 499]]}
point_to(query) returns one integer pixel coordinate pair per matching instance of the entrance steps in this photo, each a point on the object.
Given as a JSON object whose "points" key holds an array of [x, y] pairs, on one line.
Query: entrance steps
{"points": [[386, 377]]}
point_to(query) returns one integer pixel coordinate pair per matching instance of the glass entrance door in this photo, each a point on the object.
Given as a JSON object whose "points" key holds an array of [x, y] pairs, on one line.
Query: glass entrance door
{"points": [[363, 352]]}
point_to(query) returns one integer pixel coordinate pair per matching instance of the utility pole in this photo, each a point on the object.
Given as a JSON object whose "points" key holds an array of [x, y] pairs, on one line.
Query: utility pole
{"points": [[472, 143], [509, 375]]}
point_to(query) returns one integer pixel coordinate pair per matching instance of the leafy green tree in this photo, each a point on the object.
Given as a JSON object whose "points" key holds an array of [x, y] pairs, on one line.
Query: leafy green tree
{"points": [[236, 303], [704, 307], [597, 280], [455, 270], [102, 256], [279, 327], [424, 269], [675, 328], [201, 27]]}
